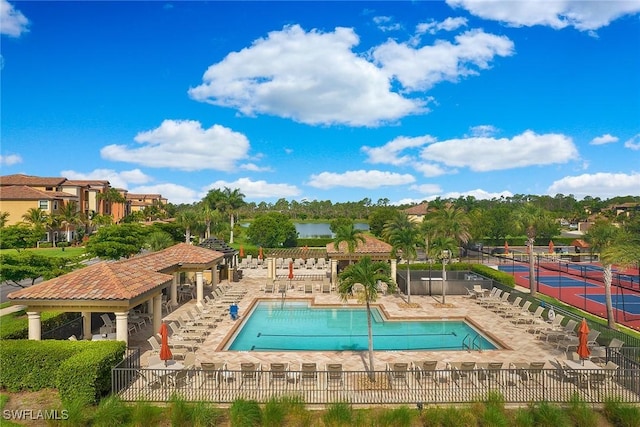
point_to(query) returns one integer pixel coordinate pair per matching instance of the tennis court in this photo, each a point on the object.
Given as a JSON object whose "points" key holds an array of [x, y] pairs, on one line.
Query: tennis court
{"points": [[568, 282], [627, 303], [513, 268]]}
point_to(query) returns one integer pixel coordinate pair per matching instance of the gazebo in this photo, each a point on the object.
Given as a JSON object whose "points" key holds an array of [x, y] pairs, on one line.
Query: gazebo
{"points": [[117, 287], [372, 247]]}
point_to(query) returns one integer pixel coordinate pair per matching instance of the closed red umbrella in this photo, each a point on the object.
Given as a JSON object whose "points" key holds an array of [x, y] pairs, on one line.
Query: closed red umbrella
{"points": [[290, 270], [550, 246], [506, 247], [260, 253], [241, 252], [165, 351], [583, 334]]}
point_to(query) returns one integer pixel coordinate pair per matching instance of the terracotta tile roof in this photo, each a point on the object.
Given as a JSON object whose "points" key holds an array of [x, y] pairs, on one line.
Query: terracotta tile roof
{"points": [[580, 243], [23, 192], [32, 181], [118, 280], [420, 209], [102, 281], [86, 182], [370, 246]]}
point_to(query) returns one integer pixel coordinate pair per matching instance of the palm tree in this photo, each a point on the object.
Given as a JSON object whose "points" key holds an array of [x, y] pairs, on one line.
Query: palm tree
{"points": [[526, 219], [452, 222], [349, 234], [36, 217], [601, 236], [442, 248], [369, 274], [189, 220], [110, 196], [404, 235], [4, 217], [227, 201], [53, 224], [158, 240], [69, 216]]}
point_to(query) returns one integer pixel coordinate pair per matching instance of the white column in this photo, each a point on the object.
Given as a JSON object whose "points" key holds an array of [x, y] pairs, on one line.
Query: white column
{"points": [[173, 297], [334, 272], [394, 264], [215, 277], [35, 332], [86, 325], [270, 273], [122, 326], [157, 313], [150, 306], [199, 287]]}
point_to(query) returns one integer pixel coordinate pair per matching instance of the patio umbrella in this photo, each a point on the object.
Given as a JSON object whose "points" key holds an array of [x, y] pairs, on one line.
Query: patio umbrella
{"points": [[550, 246], [506, 247], [290, 272], [241, 252], [165, 351], [260, 253], [583, 332]]}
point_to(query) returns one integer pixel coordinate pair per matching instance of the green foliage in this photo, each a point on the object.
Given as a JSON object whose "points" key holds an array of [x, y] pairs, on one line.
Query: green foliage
{"points": [[180, 412], [621, 414], [338, 414], [273, 230], [158, 240], [397, 417], [336, 223], [117, 241], [580, 413], [175, 230], [274, 413], [448, 417], [245, 413], [15, 326], [548, 415], [111, 412], [379, 218], [19, 236], [145, 414], [205, 415], [31, 265], [315, 243]]}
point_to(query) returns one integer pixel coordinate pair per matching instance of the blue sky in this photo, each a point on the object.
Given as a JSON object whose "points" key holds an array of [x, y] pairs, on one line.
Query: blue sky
{"points": [[338, 101]]}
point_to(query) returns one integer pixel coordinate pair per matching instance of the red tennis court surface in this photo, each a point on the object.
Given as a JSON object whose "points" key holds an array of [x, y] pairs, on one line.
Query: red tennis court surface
{"points": [[581, 285]]}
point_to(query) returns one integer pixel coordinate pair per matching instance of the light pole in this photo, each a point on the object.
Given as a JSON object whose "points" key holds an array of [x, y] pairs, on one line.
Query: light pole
{"points": [[445, 257]]}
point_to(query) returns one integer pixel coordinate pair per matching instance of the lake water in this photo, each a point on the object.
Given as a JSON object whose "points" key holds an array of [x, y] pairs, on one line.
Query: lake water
{"points": [[309, 230]]}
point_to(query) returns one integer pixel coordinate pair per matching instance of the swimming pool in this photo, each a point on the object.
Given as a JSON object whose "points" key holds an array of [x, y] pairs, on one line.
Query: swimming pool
{"points": [[297, 326]]}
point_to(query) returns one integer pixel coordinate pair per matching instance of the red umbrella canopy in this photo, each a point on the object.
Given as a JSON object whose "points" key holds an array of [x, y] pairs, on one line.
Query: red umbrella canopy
{"points": [[165, 351], [241, 252], [550, 246], [506, 247], [583, 333], [290, 270]]}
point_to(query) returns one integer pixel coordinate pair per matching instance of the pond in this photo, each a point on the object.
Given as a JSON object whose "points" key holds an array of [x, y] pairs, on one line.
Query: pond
{"points": [[309, 230]]}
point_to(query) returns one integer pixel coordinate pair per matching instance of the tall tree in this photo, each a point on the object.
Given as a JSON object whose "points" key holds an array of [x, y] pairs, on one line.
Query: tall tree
{"points": [[4, 217], [602, 236], [349, 234], [443, 248], [404, 236], [69, 217], [188, 219], [36, 217], [227, 201], [452, 222], [527, 218], [117, 241], [368, 274]]}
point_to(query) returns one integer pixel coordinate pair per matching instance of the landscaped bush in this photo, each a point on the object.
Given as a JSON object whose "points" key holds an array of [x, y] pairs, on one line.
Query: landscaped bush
{"points": [[315, 243], [15, 326], [80, 370]]}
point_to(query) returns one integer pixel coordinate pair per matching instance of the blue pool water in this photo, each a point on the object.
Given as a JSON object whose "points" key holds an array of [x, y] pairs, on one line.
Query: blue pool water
{"points": [[294, 325]]}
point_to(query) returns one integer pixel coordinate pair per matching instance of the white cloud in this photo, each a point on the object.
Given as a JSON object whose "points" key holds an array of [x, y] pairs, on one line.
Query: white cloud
{"points": [[11, 159], [483, 130], [279, 75], [359, 179], [582, 15], [478, 194], [176, 194], [388, 153], [488, 154], [385, 23], [430, 170], [419, 69], [257, 189], [449, 24], [185, 145], [633, 143], [12, 22], [604, 139], [603, 185], [116, 179], [254, 168], [426, 188]]}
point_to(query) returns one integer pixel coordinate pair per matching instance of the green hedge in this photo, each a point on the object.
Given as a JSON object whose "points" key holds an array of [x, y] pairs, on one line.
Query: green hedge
{"points": [[15, 326], [314, 243], [80, 370], [488, 272]]}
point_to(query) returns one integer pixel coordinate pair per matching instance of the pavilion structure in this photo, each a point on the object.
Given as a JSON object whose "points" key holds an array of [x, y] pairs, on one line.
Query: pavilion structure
{"points": [[118, 287]]}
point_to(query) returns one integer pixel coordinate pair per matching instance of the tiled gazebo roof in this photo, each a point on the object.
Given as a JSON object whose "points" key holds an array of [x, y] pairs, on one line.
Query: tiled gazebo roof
{"points": [[373, 247]]}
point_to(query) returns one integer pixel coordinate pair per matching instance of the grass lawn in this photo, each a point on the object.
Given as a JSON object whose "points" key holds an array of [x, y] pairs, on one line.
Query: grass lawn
{"points": [[52, 252]]}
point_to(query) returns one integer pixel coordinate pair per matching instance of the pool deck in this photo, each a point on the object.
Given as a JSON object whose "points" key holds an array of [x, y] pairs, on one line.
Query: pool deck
{"points": [[521, 346]]}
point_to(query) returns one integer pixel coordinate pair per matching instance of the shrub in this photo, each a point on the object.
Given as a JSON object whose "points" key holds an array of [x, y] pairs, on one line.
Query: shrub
{"points": [[111, 412], [545, 414], [402, 416], [338, 414], [620, 414], [581, 414], [145, 414], [15, 326], [245, 413]]}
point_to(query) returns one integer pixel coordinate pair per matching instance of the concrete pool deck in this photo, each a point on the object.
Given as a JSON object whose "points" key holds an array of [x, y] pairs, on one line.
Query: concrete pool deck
{"points": [[522, 346]]}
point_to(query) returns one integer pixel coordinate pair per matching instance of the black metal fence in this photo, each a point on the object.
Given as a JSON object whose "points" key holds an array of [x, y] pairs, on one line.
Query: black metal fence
{"points": [[517, 385]]}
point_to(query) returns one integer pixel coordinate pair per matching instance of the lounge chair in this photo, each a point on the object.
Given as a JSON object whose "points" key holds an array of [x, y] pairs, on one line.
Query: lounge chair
{"points": [[335, 375], [108, 324], [569, 329], [217, 371], [424, 369], [572, 341], [489, 371], [398, 373], [308, 288], [155, 348], [269, 287], [250, 373], [308, 374], [326, 288], [462, 370], [278, 373]]}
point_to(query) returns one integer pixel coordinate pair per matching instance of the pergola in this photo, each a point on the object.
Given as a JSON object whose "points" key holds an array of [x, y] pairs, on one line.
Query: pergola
{"points": [[117, 287], [372, 247]]}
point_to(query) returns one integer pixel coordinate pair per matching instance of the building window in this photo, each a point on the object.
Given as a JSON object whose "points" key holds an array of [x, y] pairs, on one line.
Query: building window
{"points": [[44, 205], [55, 205], [49, 188]]}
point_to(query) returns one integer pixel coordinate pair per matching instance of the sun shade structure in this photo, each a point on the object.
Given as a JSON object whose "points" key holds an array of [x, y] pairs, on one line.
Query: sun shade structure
{"points": [[165, 350], [583, 334], [117, 287]]}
